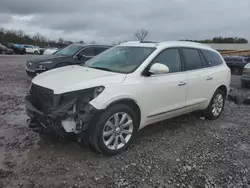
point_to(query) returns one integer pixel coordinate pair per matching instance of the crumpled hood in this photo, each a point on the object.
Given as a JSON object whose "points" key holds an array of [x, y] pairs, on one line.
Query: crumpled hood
{"points": [[42, 58], [73, 78]]}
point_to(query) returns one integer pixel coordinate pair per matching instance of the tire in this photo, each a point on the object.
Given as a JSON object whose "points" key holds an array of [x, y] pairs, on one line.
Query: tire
{"points": [[114, 135], [236, 71], [244, 84], [210, 112], [36, 52]]}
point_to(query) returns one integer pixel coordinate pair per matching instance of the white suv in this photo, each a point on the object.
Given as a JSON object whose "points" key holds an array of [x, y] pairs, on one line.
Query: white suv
{"points": [[31, 49], [106, 101]]}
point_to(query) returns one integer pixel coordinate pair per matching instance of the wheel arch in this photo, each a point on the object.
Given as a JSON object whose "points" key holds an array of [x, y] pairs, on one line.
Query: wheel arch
{"points": [[224, 89], [131, 103]]}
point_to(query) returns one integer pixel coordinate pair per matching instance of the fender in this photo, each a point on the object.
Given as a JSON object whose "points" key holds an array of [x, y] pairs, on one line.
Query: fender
{"points": [[102, 103]]}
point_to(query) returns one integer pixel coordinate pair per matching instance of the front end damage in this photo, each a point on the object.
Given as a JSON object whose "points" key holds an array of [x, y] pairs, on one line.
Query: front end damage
{"points": [[64, 113]]}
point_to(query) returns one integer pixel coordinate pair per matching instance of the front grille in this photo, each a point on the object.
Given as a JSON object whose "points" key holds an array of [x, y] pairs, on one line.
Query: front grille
{"points": [[41, 98], [246, 72]]}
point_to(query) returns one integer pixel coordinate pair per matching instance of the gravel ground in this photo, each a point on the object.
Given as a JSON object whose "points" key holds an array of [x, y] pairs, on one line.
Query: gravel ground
{"points": [[187, 151]]}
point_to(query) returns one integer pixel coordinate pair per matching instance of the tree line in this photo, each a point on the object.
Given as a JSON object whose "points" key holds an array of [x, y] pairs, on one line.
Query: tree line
{"points": [[19, 37], [226, 40], [143, 33]]}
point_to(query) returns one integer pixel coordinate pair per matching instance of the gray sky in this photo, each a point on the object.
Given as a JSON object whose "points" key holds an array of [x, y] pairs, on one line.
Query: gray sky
{"points": [[107, 21]]}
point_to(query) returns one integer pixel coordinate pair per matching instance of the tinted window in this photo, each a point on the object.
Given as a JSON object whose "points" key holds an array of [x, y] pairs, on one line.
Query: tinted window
{"points": [[99, 50], [213, 58], [192, 59], [69, 50], [170, 58], [88, 51]]}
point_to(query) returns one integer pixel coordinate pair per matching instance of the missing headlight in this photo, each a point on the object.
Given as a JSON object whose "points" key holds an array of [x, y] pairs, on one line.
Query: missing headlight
{"points": [[98, 91]]}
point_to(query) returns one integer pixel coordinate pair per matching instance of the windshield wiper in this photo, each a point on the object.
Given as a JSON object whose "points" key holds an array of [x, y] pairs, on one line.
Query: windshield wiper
{"points": [[101, 68]]}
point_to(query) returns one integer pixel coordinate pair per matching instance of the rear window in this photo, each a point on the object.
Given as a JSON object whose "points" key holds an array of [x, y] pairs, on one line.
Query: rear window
{"points": [[212, 58]]}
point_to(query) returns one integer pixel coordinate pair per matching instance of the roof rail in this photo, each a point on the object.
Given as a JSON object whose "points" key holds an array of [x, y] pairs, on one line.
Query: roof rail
{"points": [[149, 41], [131, 42], [187, 42]]}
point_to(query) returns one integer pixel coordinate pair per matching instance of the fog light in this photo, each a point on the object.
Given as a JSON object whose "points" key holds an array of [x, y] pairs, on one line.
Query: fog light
{"points": [[41, 67]]}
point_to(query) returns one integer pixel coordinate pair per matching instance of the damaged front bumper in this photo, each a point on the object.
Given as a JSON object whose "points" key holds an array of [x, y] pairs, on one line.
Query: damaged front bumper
{"points": [[63, 119]]}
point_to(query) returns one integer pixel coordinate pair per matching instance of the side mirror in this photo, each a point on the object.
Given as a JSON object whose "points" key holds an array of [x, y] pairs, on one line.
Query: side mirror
{"points": [[80, 57], [158, 68]]}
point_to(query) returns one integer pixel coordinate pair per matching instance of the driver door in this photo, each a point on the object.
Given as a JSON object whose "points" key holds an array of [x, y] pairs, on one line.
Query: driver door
{"points": [[86, 54], [166, 93]]}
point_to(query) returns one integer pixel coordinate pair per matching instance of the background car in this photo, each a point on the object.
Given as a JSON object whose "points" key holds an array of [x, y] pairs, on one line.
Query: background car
{"points": [[245, 78], [29, 49], [5, 50], [236, 63], [71, 55], [50, 51]]}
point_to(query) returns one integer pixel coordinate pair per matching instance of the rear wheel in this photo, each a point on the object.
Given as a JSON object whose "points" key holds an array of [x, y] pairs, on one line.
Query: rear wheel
{"points": [[216, 105], [114, 130]]}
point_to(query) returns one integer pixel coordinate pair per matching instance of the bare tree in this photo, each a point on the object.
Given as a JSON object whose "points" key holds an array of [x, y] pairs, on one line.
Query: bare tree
{"points": [[141, 34]]}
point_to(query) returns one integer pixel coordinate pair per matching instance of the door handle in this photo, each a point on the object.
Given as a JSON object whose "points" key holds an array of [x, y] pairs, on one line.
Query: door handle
{"points": [[182, 83], [209, 78]]}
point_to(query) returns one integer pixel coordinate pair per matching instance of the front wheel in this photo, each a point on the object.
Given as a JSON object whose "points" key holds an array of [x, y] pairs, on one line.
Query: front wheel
{"points": [[114, 130], [216, 105]]}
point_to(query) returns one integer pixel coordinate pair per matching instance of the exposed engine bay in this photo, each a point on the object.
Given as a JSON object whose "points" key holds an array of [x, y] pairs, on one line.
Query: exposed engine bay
{"points": [[63, 113]]}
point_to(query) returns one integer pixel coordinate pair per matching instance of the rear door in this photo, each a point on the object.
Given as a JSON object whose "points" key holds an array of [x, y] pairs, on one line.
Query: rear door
{"points": [[99, 50], [86, 54], [215, 71], [198, 78]]}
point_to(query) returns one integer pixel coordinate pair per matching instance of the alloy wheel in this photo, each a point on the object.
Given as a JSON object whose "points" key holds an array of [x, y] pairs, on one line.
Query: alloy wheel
{"points": [[118, 130], [217, 104]]}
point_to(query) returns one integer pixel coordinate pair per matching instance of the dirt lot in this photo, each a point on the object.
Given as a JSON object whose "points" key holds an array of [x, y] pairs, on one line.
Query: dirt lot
{"points": [[183, 152]]}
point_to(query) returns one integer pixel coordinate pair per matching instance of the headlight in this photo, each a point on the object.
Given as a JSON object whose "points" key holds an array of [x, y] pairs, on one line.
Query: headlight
{"points": [[98, 91], [46, 62], [84, 96]]}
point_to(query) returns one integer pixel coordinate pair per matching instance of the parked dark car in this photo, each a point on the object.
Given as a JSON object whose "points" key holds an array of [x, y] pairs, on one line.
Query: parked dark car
{"points": [[71, 55], [236, 63], [5, 50], [245, 78], [17, 49]]}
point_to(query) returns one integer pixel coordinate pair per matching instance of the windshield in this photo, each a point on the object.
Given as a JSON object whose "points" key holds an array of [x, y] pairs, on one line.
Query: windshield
{"points": [[69, 50], [122, 59]]}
